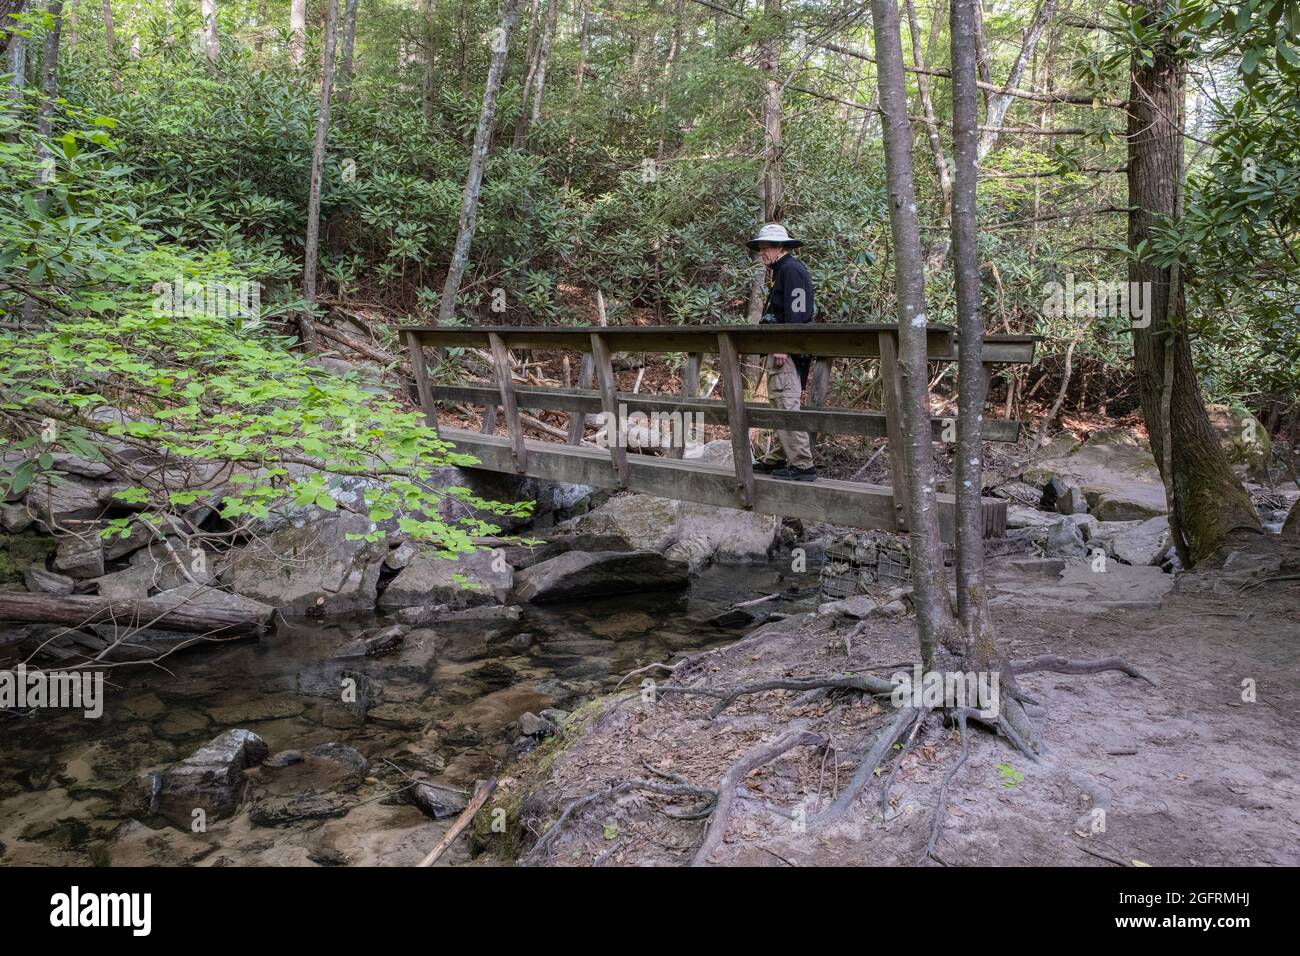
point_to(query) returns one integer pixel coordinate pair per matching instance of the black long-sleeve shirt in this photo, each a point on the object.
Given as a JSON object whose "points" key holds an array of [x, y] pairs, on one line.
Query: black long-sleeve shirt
{"points": [[790, 300]]}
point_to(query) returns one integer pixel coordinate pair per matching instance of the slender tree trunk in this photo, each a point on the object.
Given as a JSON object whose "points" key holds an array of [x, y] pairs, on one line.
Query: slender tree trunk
{"points": [[530, 69], [110, 47], [538, 48], [349, 40], [259, 38], [999, 103], [673, 50], [771, 190], [979, 647], [1208, 500], [49, 85], [298, 32], [16, 61], [211, 41], [583, 44], [544, 60], [428, 7], [73, 10], [477, 160], [939, 247], [934, 615], [307, 322]]}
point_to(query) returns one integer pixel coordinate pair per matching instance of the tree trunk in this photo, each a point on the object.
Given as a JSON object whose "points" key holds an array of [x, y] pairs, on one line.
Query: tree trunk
{"points": [[1208, 500], [211, 42], [427, 10], [538, 49], [999, 103], [978, 644], [939, 248], [934, 615], [82, 610], [544, 60], [477, 160], [583, 44], [307, 322], [16, 57], [344, 83], [673, 50], [298, 31], [771, 190]]}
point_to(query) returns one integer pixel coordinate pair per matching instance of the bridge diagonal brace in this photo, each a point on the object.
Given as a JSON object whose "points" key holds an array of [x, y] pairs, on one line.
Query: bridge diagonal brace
{"points": [[733, 387], [603, 367], [420, 370], [505, 383]]}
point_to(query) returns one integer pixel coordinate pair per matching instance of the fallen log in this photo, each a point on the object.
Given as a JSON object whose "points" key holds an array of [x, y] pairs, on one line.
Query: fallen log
{"points": [[81, 610], [466, 817]]}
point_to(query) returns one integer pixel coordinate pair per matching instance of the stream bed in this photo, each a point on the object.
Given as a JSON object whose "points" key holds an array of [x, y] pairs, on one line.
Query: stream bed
{"points": [[442, 706]]}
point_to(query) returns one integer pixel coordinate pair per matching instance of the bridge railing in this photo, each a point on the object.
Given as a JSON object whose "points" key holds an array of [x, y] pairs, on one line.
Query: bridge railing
{"points": [[849, 503]]}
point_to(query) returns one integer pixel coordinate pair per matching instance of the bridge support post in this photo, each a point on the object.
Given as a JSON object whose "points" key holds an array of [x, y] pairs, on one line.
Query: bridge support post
{"points": [[733, 385], [690, 389], [894, 425], [505, 383], [603, 367], [421, 372]]}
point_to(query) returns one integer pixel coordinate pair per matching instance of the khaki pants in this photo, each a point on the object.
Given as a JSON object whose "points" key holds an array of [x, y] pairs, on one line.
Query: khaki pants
{"points": [[784, 390]]}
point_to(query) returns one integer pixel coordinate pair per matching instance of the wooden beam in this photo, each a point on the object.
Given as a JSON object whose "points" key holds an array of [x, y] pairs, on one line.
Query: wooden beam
{"points": [[894, 425], [848, 503], [690, 389], [840, 421], [733, 386], [603, 367], [421, 371], [505, 383], [578, 417]]}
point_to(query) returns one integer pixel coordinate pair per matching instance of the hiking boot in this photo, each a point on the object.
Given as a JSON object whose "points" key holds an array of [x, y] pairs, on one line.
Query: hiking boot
{"points": [[767, 467], [795, 474]]}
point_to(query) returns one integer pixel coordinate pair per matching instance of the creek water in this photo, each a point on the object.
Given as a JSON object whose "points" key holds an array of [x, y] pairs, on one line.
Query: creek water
{"points": [[440, 706]]}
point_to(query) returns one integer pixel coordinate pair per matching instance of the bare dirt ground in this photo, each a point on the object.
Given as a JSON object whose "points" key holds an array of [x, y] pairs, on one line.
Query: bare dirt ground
{"points": [[1186, 772]]}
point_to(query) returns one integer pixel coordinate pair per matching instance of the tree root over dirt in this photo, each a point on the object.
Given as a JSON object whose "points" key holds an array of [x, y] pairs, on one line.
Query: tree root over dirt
{"points": [[900, 732]]}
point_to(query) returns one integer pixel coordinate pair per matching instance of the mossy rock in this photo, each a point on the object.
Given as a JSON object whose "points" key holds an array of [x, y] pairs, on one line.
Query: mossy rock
{"points": [[1244, 438], [528, 776], [18, 552]]}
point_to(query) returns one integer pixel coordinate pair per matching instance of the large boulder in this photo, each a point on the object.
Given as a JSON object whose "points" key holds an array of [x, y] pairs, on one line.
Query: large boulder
{"points": [[684, 531], [1244, 439], [467, 580], [210, 779], [580, 574], [1113, 468], [312, 565], [1144, 544]]}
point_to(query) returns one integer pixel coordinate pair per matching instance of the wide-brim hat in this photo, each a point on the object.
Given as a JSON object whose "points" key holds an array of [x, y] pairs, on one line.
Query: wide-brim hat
{"points": [[774, 234]]}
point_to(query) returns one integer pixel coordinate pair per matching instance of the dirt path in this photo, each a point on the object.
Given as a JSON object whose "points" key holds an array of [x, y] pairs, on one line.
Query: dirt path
{"points": [[1186, 772]]}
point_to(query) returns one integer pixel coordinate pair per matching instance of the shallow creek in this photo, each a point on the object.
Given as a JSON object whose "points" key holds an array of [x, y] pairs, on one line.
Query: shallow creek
{"points": [[440, 706]]}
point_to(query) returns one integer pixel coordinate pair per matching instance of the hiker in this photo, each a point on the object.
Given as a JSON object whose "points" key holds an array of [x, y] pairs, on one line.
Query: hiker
{"points": [[789, 299]]}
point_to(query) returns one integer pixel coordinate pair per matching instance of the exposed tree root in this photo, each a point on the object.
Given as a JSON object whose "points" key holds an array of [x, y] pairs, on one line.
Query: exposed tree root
{"points": [[864, 683], [893, 732], [936, 827], [1063, 665], [613, 790], [735, 776]]}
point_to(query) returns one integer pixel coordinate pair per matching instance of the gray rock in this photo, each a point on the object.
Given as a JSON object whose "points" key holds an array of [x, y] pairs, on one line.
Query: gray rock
{"points": [[684, 531], [1143, 545], [389, 639], [1114, 469], [47, 582], [531, 725], [198, 595], [55, 499], [578, 575], [554, 715], [521, 642], [437, 801], [465, 581], [211, 778], [15, 518], [80, 557], [284, 758], [130, 584], [312, 567], [1021, 516], [282, 811], [1065, 541], [349, 759]]}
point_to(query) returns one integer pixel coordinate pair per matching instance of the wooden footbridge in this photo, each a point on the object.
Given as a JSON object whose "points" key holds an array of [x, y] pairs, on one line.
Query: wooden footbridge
{"points": [[672, 475]]}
